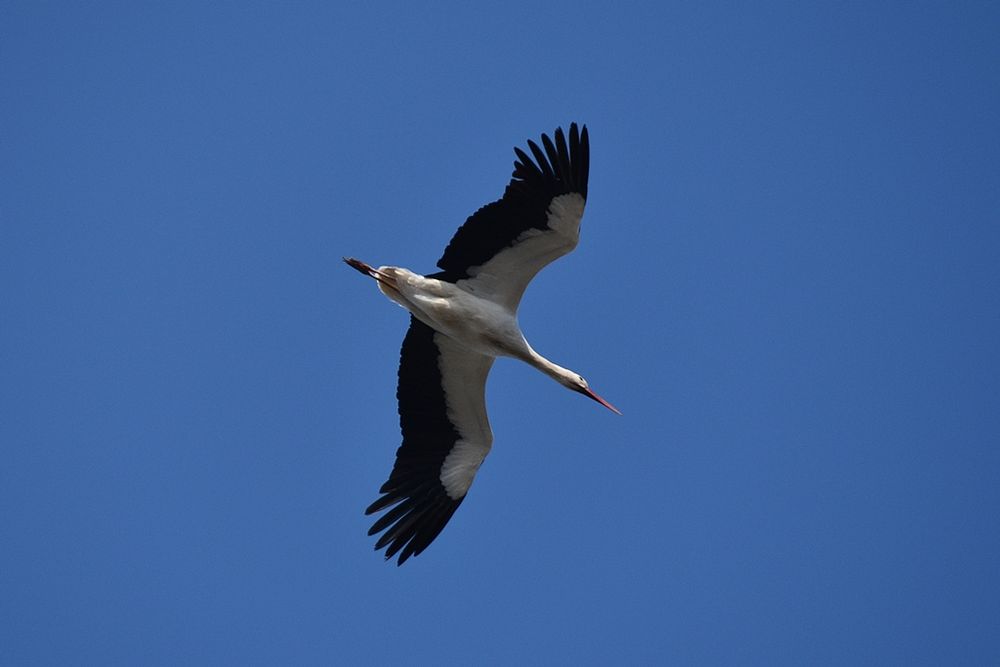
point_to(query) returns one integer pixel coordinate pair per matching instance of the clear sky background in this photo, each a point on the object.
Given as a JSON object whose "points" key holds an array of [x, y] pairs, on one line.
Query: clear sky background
{"points": [[788, 281]]}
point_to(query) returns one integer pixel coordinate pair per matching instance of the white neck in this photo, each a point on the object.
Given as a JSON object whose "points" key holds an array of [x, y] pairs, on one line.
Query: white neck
{"points": [[561, 375]]}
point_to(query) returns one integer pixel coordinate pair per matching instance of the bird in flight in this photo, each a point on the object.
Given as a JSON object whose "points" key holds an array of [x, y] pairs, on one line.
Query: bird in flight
{"points": [[464, 317]]}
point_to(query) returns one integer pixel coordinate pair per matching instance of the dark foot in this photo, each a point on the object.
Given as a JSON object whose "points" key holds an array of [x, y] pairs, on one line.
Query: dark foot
{"points": [[360, 266]]}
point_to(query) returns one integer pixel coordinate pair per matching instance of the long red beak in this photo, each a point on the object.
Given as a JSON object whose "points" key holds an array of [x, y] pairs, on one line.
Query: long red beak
{"points": [[588, 392]]}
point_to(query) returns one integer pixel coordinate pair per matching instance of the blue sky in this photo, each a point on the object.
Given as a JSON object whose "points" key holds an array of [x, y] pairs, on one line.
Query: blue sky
{"points": [[787, 281]]}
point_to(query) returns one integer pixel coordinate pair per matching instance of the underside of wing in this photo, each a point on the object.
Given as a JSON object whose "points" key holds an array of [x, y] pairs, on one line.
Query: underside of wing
{"points": [[446, 435], [504, 244]]}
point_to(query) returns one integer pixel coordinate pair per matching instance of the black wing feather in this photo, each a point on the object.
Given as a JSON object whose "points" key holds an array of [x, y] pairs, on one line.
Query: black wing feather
{"points": [[420, 505], [560, 169], [540, 160]]}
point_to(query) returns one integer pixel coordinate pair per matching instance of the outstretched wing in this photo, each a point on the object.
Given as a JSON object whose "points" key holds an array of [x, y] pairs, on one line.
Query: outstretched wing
{"points": [[501, 247], [446, 436]]}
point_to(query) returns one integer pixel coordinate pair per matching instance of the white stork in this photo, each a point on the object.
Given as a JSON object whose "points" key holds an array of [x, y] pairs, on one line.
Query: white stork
{"points": [[462, 319]]}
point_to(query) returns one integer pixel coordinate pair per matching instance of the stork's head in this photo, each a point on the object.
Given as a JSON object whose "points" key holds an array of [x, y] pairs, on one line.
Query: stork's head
{"points": [[578, 384]]}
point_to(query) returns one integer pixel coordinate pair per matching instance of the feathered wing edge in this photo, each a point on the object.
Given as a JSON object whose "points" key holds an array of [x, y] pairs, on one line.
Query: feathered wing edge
{"points": [[420, 505], [555, 168]]}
